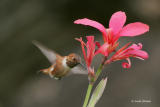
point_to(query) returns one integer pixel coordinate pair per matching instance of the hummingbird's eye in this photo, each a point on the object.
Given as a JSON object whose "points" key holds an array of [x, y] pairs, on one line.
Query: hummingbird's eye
{"points": [[74, 59]]}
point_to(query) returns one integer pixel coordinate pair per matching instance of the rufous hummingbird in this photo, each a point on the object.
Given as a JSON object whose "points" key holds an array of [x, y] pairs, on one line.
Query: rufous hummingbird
{"points": [[61, 65]]}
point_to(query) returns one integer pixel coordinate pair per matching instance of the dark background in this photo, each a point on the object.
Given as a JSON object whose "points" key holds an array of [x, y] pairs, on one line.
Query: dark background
{"points": [[51, 23]]}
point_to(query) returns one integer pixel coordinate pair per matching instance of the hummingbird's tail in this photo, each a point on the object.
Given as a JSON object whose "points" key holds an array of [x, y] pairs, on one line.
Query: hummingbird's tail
{"points": [[45, 71], [48, 71]]}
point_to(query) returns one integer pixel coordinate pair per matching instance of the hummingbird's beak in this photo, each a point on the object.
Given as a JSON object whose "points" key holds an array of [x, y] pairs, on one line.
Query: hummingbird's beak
{"points": [[80, 63]]}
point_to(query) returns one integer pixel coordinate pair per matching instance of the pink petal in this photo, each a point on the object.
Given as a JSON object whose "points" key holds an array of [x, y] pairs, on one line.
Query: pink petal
{"points": [[94, 24], [135, 46], [117, 21], [90, 49], [90, 38], [103, 50], [139, 54], [126, 64], [135, 51], [134, 29], [110, 37], [122, 50], [82, 46]]}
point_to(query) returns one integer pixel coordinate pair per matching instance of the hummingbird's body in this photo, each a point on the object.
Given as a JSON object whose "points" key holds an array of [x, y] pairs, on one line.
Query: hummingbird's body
{"points": [[61, 65]]}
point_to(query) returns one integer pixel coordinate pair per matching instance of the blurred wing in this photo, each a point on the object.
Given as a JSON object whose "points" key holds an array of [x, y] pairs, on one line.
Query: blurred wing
{"points": [[79, 69], [50, 54]]}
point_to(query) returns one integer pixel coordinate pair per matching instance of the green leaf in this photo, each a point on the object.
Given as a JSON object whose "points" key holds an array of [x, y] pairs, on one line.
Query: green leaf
{"points": [[97, 93]]}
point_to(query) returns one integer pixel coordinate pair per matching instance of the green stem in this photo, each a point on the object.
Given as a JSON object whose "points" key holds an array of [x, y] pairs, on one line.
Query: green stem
{"points": [[99, 71], [90, 86], [100, 68]]}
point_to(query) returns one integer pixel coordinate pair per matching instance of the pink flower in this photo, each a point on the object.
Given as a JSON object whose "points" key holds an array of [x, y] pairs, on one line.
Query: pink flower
{"points": [[116, 28], [113, 33], [90, 45], [125, 52]]}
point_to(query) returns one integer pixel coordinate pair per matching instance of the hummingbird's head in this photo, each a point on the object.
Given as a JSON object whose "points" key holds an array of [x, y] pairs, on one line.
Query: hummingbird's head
{"points": [[73, 60]]}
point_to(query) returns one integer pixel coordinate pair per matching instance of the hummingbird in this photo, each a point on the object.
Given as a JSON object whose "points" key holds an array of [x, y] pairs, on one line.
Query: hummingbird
{"points": [[61, 65]]}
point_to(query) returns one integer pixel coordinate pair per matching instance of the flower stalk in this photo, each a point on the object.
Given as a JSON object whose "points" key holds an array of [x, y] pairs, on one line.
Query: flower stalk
{"points": [[99, 71], [88, 94], [90, 86]]}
